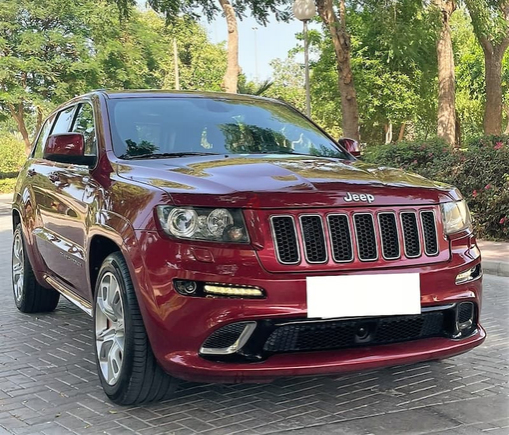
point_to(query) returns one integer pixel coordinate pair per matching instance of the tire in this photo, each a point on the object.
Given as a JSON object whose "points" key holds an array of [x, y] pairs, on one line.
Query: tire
{"points": [[29, 295], [127, 368]]}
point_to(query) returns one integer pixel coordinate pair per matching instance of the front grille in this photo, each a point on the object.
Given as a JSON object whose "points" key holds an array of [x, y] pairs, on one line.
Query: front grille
{"points": [[339, 334], [389, 236], [314, 238], [341, 241], [285, 236], [430, 233], [411, 235], [366, 236]]}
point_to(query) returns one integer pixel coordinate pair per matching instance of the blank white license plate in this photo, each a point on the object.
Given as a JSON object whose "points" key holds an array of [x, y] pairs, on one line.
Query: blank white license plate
{"points": [[363, 295]]}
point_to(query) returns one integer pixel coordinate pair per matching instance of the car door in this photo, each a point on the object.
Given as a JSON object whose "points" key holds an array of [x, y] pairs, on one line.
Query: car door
{"points": [[62, 208]]}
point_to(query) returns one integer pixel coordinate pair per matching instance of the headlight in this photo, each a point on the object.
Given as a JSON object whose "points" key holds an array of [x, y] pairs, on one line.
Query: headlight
{"points": [[456, 216], [214, 224]]}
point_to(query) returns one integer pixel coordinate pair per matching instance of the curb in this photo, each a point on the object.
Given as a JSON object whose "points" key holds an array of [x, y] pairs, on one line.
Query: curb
{"points": [[492, 267]]}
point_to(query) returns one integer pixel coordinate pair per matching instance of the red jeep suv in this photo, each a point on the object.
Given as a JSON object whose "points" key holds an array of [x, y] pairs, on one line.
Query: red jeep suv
{"points": [[227, 238]]}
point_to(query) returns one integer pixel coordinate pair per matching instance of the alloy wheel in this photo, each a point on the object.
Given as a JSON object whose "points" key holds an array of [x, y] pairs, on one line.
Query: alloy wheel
{"points": [[109, 328], [18, 266]]}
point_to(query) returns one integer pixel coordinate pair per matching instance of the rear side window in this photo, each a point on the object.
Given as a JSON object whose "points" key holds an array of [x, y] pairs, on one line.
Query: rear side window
{"points": [[63, 121], [41, 140], [84, 124]]}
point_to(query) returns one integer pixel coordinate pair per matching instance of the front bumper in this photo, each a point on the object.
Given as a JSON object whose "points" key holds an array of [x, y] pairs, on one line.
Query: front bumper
{"points": [[178, 325]]}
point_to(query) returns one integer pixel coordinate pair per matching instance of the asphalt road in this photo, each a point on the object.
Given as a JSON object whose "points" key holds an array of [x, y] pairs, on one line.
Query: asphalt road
{"points": [[48, 385]]}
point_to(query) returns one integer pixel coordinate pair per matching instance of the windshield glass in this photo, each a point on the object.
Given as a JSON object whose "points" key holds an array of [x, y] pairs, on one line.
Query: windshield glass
{"points": [[147, 127]]}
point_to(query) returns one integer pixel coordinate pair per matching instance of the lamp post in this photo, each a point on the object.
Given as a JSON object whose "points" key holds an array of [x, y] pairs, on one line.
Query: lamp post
{"points": [[304, 10]]}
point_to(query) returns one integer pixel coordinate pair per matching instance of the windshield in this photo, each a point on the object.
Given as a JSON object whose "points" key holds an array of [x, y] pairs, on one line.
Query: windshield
{"points": [[148, 127]]}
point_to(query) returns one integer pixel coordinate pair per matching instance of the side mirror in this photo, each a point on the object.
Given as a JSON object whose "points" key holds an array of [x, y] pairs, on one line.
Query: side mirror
{"points": [[67, 148], [351, 145]]}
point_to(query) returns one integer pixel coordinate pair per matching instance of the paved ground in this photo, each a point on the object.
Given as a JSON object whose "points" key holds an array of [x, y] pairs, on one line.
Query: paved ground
{"points": [[48, 385]]}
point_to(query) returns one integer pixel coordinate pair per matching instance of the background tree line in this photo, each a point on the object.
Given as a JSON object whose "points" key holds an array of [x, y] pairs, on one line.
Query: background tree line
{"points": [[384, 69]]}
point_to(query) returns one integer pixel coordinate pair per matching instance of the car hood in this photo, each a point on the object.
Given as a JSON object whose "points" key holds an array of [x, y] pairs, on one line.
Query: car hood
{"points": [[276, 181]]}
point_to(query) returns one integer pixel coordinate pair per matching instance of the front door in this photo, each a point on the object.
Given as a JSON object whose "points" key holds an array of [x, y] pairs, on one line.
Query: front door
{"points": [[62, 208]]}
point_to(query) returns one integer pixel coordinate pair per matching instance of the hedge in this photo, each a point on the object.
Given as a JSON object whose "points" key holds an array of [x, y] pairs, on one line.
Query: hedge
{"points": [[480, 171]]}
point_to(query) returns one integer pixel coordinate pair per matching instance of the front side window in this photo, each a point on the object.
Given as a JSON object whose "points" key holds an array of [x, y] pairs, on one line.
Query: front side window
{"points": [[84, 124], [148, 127]]}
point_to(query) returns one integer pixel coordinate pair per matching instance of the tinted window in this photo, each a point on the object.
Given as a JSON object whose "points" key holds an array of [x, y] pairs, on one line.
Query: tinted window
{"points": [[84, 124], [150, 126], [63, 121], [41, 140]]}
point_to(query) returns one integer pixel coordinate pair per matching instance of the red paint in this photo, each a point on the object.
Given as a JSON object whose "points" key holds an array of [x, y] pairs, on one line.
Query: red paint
{"points": [[70, 205], [68, 144]]}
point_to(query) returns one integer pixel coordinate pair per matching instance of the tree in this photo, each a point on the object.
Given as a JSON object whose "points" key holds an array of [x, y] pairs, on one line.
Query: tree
{"points": [[232, 9], [43, 57], [490, 19], [393, 61], [342, 47], [288, 82], [446, 128]]}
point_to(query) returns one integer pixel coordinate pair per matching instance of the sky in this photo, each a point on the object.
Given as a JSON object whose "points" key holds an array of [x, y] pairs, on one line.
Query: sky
{"points": [[273, 41]]}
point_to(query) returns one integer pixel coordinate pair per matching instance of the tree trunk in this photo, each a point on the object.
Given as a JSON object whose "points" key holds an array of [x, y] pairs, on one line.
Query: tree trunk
{"points": [[401, 134], [446, 128], [19, 116], [388, 133], [493, 109], [341, 42], [507, 126], [494, 40], [232, 70]]}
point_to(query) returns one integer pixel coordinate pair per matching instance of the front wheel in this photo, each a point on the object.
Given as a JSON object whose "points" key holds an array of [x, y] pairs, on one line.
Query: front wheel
{"points": [[29, 295], [127, 368]]}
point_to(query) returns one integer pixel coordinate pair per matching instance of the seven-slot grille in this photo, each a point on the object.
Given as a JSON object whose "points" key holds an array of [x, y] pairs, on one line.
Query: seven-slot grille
{"points": [[366, 236]]}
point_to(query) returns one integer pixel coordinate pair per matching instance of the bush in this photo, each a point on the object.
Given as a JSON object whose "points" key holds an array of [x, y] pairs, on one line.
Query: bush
{"points": [[480, 171], [12, 155]]}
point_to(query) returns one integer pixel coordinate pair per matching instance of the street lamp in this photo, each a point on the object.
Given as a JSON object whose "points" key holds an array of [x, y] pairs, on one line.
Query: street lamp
{"points": [[304, 10]]}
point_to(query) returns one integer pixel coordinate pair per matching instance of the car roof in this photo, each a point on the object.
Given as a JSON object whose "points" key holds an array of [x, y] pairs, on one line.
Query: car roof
{"points": [[157, 93]]}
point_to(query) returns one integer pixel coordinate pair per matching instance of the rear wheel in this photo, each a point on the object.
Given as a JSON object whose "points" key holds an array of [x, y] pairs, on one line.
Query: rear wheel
{"points": [[29, 295], [127, 368]]}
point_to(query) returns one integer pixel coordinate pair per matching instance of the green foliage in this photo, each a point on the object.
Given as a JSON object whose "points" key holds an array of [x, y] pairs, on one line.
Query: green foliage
{"points": [[54, 50], [394, 68], [480, 171], [12, 155], [195, 9], [7, 185]]}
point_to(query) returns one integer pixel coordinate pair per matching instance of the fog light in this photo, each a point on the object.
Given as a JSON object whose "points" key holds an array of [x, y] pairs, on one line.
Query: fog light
{"points": [[468, 275], [242, 292], [187, 288]]}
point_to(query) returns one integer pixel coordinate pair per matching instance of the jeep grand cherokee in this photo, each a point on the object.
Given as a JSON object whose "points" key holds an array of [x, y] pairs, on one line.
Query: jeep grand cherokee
{"points": [[227, 238]]}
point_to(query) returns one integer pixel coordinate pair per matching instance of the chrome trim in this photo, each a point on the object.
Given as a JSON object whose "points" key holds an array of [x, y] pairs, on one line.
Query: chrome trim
{"points": [[323, 238], [241, 341], [432, 211], [418, 235], [357, 237], [382, 236], [274, 238], [69, 295], [349, 234]]}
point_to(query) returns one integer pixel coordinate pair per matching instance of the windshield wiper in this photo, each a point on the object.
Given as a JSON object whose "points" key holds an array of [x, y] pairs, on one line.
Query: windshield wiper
{"points": [[165, 155]]}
